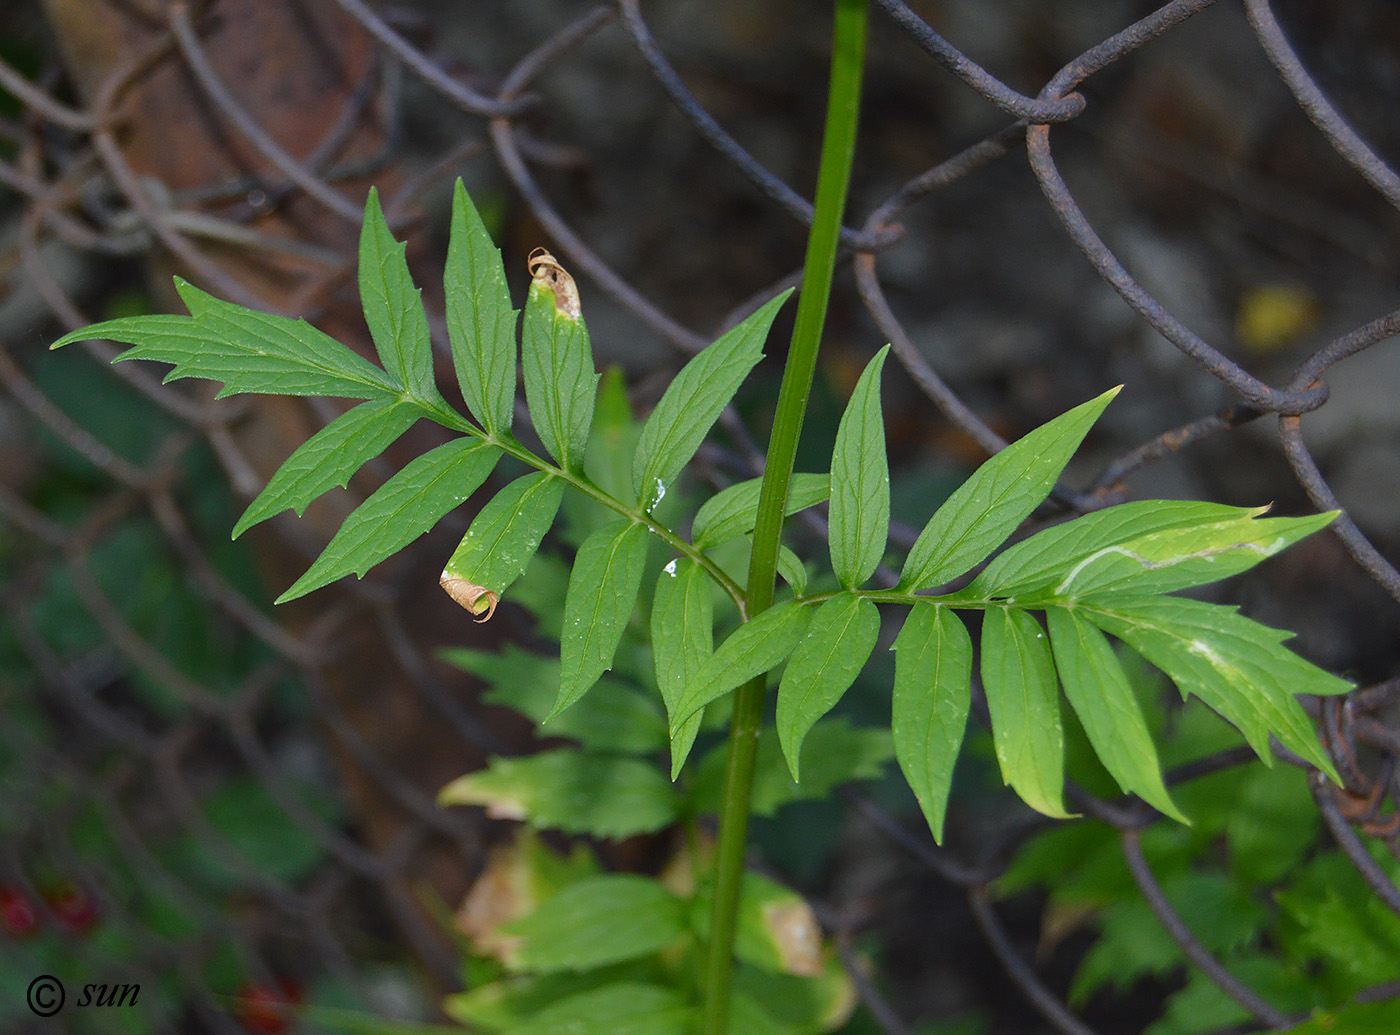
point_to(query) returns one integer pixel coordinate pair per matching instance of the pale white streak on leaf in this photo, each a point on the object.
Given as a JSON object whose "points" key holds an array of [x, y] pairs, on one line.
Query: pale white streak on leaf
{"points": [[600, 599], [989, 506], [1018, 675], [1099, 692], [402, 509], [1237, 666], [932, 695], [480, 320], [823, 666], [860, 482], [330, 457]]}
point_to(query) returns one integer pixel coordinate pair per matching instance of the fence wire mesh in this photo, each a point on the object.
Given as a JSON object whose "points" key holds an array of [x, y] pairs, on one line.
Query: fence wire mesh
{"points": [[228, 798]]}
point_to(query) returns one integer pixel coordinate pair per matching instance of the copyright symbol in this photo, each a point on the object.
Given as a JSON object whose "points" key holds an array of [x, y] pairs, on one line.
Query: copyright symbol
{"points": [[46, 995]]}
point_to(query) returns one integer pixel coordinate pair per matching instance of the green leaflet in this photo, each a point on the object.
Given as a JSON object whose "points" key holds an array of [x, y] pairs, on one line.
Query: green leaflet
{"points": [[1176, 558], [328, 458], [503, 538], [834, 752], [613, 716], [823, 666], [1018, 675], [572, 791], [860, 482], [402, 509], [693, 402], [1235, 665], [560, 381], [1099, 692], [624, 1008], [1042, 561], [1001, 493], [749, 651], [480, 320], [394, 307], [601, 596], [932, 694], [597, 921], [732, 512], [246, 350], [682, 640]]}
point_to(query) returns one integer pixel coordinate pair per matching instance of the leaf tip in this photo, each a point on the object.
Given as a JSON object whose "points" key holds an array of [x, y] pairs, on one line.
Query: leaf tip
{"points": [[550, 276], [478, 600]]}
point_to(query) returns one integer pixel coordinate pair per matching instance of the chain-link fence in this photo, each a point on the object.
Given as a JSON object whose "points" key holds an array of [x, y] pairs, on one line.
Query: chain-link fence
{"points": [[233, 807]]}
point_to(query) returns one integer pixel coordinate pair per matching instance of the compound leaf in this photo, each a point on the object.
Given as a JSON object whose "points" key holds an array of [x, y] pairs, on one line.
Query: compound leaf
{"points": [[1235, 665], [750, 650], [401, 510], [328, 458], [601, 596], [860, 482], [733, 511], [682, 640], [932, 695], [480, 320], [248, 351], [693, 402], [394, 307], [988, 507], [1041, 562], [823, 666], [597, 921], [1100, 694], [572, 791], [503, 538], [1018, 675], [560, 381]]}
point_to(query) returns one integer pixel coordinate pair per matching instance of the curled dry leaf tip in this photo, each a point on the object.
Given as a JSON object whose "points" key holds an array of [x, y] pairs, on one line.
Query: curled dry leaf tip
{"points": [[477, 599], [546, 271]]}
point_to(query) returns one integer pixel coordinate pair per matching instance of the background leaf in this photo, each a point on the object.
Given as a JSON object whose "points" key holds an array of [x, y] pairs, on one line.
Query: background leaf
{"points": [[330, 457], [597, 921], [682, 640], [394, 307], [823, 666], [989, 506], [733, 511], [749, 651], [1018, 675], [932, 694], [693, 402], [860, 482], [572, 791], [1099, 692], [480, 320], [601, 597], [402, 509], [504, 536], [560, 381]]}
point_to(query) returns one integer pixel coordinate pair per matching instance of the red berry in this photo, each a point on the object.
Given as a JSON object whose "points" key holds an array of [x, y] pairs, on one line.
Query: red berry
{"points": [[267, 1008], [75, 908], [18, 916]]}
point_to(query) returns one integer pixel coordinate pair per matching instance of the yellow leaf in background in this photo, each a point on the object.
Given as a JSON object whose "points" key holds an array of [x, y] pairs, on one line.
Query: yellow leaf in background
{"points": [[1273, 316]]}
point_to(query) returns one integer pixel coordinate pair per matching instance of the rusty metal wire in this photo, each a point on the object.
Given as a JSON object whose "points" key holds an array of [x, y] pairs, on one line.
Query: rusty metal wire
{"points": [[132, 740]]}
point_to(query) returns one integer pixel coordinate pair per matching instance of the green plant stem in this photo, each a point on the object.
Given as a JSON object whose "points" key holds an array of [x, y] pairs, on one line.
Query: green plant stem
{"points": [[833, 178]]}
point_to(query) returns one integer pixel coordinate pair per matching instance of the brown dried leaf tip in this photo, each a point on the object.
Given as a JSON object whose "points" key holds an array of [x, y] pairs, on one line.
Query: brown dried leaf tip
{"points": [[474, 598], [546, 271]]}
